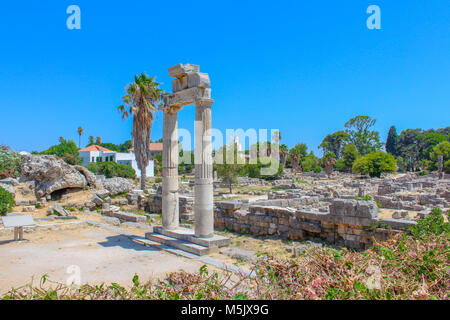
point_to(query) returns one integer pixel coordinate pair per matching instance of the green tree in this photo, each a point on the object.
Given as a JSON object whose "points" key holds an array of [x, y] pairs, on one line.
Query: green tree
{"points": [[392, 141], [227, 165], [296, 154], [409, 147], [365, 139], [349, 155], [310, 162], [329, 159], [375, 163], [91, 141], [442, 149], [284, 150], [335, 142], [66, 150], [142, 98]]}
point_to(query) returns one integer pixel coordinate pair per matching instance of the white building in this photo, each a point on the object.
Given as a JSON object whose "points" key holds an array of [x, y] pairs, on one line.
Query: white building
{"points": [[95, 153]]}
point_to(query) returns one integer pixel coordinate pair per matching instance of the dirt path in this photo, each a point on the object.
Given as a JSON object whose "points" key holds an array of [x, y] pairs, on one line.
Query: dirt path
{"points": [[101, 256]]}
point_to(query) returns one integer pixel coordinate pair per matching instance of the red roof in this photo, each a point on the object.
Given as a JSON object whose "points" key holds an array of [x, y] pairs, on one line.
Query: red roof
{"points": [[95, 147], [154, 146]]}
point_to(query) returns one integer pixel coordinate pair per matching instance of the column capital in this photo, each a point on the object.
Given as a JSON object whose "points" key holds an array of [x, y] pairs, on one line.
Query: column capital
{"points": [[204, 102], [172, 109]]}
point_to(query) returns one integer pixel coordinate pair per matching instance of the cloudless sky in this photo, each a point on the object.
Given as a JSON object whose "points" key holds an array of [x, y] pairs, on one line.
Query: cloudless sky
{"points": [[303, 67]]}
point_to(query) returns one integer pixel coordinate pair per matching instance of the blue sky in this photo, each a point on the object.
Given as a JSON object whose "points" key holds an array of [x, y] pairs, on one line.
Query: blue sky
{"points": [[304, 67]]}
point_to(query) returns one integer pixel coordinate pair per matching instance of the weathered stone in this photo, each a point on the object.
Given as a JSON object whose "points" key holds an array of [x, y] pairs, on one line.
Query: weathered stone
{"points": [[11, 181], [102, 193], [238, 254], [59, 210], [97, 200], [182, 69], [111, 220], [118, 185], [51, 174]]}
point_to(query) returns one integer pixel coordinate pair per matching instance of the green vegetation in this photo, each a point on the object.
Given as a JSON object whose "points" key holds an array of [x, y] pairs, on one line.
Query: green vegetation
{"points": [[335, 142], [349, 155], [6, 201], [329, 159], [375, 164], [403, 268], [310, 163], [112, 169], [66, 150], [266, 168], [142, 98], [9, 163], [296, 155], [433, 225], [227, 165], [416, 148]]}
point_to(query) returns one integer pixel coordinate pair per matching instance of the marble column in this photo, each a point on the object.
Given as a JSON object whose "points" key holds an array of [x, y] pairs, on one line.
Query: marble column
{"points": [[204, 215], [170, 206]]}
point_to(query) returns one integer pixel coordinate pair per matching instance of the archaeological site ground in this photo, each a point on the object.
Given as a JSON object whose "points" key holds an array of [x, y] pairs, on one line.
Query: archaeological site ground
{"points": [[285, 152]]}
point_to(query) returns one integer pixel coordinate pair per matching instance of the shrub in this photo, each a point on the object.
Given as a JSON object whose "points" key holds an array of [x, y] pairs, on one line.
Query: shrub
{"points": [[112, 169], [375, 163], [434, 224], [447, 166], [255, 170], [9, 163], [6, 201], [349, 155], [317, 169], [67, 150]]}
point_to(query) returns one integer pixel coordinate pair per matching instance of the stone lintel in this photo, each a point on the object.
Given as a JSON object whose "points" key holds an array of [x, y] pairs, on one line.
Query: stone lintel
{"points": [[188, 96], [180, 70], [191, 80]]}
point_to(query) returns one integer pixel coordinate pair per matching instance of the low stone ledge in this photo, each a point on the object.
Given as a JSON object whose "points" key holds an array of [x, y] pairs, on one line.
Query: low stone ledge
{"points": [[398, 223]]}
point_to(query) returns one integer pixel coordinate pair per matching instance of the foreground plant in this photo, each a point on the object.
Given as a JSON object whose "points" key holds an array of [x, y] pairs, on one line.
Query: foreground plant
{"points": [[408, 266]]}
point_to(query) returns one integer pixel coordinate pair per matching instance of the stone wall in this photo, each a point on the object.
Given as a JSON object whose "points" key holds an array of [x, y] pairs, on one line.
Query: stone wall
{"points": [[349, 223], [186, 205]]}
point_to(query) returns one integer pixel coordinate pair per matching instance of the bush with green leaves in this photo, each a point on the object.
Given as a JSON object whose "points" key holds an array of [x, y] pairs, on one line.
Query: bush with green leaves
{"points": [[434, 224], [6, 201], [9, 163], [112, 169], [375, 163], [67, 150], [265, 168]]}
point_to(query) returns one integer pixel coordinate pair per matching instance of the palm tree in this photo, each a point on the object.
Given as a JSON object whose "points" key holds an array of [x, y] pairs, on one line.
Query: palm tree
{"points": [[80, 133], [91, 140], [142, 98], [99, 141], [329, 159], [296, 154]]}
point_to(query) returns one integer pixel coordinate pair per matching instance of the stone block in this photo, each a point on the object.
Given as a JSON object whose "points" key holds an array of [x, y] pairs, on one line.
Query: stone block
{"points": [[367, 209], [198, 79], [310, 227], [97, 200], [182, 69], [102, 193]]}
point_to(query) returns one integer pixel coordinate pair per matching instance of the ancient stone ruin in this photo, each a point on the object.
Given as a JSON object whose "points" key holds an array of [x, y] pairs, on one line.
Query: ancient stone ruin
{"points": [[190, 86]]}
